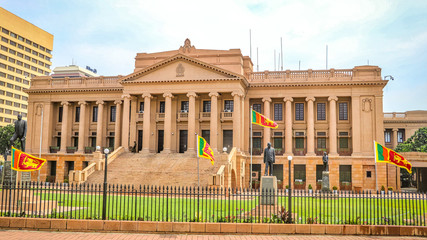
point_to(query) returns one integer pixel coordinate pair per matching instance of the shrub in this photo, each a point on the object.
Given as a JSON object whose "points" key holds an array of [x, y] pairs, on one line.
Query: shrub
{"points": [[390, 188], [310, 187], [334, 188], [382, 188]]}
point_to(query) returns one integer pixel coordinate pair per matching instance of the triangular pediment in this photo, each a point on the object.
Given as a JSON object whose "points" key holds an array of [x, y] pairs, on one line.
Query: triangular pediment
{"points": [[179, 68]]}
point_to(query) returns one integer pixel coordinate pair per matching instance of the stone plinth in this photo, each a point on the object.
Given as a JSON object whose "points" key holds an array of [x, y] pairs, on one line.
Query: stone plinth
{"points": [[268, 190], [325, 181]]}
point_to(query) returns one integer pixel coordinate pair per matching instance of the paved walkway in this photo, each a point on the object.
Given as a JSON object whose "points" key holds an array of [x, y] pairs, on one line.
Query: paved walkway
{"points": [[34, 235]]}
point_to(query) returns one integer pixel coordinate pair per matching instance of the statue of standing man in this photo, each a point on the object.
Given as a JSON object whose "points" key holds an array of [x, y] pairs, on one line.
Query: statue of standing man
{"points": [[20, 132], [269, 159]]}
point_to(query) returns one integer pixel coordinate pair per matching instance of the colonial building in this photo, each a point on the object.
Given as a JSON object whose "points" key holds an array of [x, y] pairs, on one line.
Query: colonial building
{"points": [[173, 95]]}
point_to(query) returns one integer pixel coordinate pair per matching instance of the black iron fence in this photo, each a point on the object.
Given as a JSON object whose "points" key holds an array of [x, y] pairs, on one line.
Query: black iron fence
{"points": [[191, 204]]}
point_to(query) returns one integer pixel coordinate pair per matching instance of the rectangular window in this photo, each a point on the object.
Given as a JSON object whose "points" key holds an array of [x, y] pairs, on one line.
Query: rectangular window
{"points": [[206, 134], [95, 114], [113, 114], [257, 107], [141, 107], [299, 143], [278, 144], [184, 106], [321, 111], [206, 106], [345, 173], [299, 172], [278, 112], [321, 142], [60, 114], [228, 106], [343, 143], [387, 136], [162, 107], [400, 136], [343, 111], [77, 117], [299, 111]]}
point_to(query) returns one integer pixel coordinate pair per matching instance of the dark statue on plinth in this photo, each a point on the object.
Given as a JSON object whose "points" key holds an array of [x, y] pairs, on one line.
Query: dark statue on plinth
{"points": [[325, 160], [20, 132], [269, 159]]}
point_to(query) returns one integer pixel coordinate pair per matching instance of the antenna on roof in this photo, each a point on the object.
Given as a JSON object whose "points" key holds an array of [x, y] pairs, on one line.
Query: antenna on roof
{"points": [[250, 44], [274, 59], [368, 62], [326, 56], [281, 52], [257, 66], [299, 65]]}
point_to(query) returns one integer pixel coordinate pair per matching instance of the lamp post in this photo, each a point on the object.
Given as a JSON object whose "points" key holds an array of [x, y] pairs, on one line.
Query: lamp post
{"points": [[290, 192], [104, 198]]}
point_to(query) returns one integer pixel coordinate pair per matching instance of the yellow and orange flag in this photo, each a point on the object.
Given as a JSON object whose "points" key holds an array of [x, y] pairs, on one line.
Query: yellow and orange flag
{"points": [[204, 150], [259, 119], [383, 154], [25, 162]]}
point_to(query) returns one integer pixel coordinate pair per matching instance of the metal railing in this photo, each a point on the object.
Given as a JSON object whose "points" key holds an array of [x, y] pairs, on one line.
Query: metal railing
{"points": [[191, 204]]}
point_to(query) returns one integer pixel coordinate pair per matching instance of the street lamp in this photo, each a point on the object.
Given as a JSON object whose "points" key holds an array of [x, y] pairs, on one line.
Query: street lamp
{"points": [[290, 192], [104, 199]]}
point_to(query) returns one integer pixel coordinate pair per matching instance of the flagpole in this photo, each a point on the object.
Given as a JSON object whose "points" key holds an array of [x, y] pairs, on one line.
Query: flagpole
{"points": [[197, 154], [250, 177], [376, 175], [41, 137]]}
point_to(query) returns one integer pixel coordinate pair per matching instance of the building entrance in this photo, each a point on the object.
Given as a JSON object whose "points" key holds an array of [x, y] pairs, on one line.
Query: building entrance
{"points": [[139, 140], [160, 141], [183, 136]]}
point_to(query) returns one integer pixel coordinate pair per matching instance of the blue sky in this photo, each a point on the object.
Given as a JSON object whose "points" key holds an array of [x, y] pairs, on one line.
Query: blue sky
{"points": [[107, 34]]}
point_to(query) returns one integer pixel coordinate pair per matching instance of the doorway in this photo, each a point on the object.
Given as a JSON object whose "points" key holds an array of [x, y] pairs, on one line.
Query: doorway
{"points": [[160, 140], [139, 140], [227, 139], [183, 137]]}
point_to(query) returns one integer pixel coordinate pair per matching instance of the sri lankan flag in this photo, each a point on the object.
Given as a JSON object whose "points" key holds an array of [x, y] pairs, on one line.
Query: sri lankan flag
{"points": [[204, 150], [383, 154], [259, 119], [24, 162]]}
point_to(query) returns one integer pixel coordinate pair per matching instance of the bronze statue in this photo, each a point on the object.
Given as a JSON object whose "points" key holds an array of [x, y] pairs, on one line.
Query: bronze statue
{"points": [[269, 159], [20, 132], [325, 160]]}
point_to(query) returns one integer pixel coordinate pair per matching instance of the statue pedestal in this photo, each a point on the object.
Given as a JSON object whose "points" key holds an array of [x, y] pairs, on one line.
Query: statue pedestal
{"points": [[325, 181], [268, 190]]}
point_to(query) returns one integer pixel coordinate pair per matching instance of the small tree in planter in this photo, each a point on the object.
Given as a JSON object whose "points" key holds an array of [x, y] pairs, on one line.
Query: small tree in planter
{"points": [[287, 188], [335, 189], [310, 188], [382, 189], [390, 190]]}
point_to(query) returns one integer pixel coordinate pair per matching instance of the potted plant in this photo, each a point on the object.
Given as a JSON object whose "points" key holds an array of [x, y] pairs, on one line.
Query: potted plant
{"points": [[310, 189], [53, 149], [390, 190], [287, 188], [382, 190], [89, 150], [335, 189]]}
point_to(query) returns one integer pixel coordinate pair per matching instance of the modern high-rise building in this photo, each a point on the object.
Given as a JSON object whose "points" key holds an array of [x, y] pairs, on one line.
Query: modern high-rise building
{"points": [[25, 53]]}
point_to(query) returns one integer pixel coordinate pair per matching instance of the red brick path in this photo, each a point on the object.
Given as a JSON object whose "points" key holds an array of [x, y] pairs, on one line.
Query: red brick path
{"points": [[35, 235]]}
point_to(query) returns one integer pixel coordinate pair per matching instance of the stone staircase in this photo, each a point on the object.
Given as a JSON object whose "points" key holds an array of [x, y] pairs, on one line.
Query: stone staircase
{"points": [[158, 169]]}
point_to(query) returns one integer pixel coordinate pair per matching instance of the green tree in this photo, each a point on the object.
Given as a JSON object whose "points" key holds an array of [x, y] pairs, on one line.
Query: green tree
{"points": [[6, 133], [416, 143]]}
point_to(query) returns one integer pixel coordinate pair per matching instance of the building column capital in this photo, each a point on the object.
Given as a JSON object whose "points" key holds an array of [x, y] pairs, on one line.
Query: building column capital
{"points": [[213, 94], [168, 95], [237, 93], [126, 96], [395, 129], [333, 98], [266, 99], [310, 98], [146, 95], [118, 102], [82, 103], [191, 94], [100, 102], [65, 103], [288, 99]]}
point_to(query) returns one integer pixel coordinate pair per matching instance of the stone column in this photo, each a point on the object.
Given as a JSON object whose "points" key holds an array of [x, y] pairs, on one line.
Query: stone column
{"points": [[310, 126], [333, 125], [125, 126], [65, 127], [191, 121], [168, 122], [117, 126], [146, 131], [237, 95], [267, 131], [132, 128], [288, 128], [395, 137], [355, 120], [82, 126], [99, 132], [214, 121]]}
